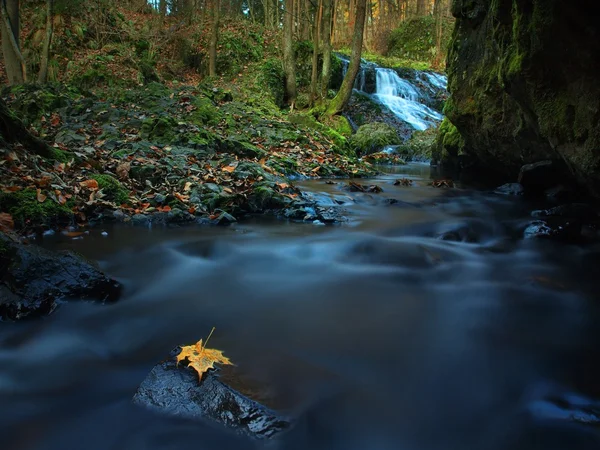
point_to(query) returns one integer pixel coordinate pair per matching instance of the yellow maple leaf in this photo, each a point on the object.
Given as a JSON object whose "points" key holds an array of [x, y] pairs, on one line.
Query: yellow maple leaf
{"points": [[201, 358]]}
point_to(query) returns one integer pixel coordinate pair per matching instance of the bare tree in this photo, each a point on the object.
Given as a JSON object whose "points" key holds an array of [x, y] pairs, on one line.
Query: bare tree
{"points": [[13, 58], [342, 98], [289, 65], [326, 71], [214, 38], [43, 74]]}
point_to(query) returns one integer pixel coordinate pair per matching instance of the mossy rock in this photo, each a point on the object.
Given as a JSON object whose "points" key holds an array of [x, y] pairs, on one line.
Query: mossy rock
{"points": [[373, 137], [419, 147], [33, 101], [265, 197], [27, 210], [112, 188], [205, 113], [162, 130]]}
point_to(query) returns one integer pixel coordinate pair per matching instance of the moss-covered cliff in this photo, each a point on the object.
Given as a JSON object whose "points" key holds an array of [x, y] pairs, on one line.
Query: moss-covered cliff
{"points": [[523, 77]]}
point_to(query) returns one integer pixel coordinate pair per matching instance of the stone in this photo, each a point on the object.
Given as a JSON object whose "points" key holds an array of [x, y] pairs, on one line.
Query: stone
{"points": [[140, 219], [540, 176], [176, 391], [34, 280], [510, 189], [571, 210]]}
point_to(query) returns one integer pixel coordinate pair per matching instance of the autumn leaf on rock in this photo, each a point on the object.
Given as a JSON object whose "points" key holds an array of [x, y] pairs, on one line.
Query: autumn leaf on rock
{"points": [[6, 222], [41, 197], [90, 184], [200, 358]]}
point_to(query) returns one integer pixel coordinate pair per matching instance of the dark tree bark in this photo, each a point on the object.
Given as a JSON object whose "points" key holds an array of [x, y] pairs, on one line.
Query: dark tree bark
{"points": [[214, 38], [13, 131], [10, 26], [421, 7], [43, 75], [289, 65], [314, 78], [326, 72], [342, 98]]}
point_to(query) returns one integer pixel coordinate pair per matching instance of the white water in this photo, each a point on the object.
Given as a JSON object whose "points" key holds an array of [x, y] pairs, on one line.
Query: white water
{"points": [[402, 98]]}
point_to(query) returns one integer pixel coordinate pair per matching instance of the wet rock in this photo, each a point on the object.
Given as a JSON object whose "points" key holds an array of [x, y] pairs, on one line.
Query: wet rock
{"points": [[559, 230], [176, 391], [571, 210], [140, 220], [34, 280], [510, 189], [158, 199], [539, 176], [120, 216], [225, 219], [560, 193]]}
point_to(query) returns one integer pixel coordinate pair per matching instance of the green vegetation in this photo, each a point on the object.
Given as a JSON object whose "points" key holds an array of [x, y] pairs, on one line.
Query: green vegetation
{"points": [[111, 187], [372, 137], [26, 209]]}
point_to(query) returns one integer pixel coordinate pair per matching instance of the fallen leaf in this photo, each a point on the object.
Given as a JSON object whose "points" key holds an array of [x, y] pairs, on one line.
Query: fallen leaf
{"points": [[283, 185], [90, 184], [200, 358], [187, 187], [6, 222], [41, 197], [316, 169], [230, 168], [123, 170]]}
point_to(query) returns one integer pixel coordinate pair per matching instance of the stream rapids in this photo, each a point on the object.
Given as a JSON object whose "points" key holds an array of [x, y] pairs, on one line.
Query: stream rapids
{"points": [[426, 322]]}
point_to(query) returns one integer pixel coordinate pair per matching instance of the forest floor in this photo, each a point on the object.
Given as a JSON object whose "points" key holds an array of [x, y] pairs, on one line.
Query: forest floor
{"points": [[158, 154]]}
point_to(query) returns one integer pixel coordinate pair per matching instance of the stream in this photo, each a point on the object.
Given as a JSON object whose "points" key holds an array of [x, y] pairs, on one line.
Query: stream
{"points": [[426, 322]]}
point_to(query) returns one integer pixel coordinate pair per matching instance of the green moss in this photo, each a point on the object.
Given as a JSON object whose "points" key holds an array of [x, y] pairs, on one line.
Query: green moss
{"points": [[272, 77], [420, 145], [27, 210], [162, 130], [205, 112], [112, 188], [60, 155], [373, 137]]}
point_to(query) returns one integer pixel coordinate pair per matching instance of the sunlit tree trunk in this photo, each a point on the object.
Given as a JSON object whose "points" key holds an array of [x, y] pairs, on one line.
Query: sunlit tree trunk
{"points": [[314, 78], [214, 38], [438, 10], [288, 53], [13, 59], [421, 7], [343, 96], [326, 72], [43, 74]]}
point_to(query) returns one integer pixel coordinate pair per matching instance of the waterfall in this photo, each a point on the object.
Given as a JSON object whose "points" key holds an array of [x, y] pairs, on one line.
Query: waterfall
{"points": [[404, 98]]}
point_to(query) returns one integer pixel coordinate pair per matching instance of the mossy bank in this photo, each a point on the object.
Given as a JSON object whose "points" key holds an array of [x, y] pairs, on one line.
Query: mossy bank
{"points": [[523, 85]]}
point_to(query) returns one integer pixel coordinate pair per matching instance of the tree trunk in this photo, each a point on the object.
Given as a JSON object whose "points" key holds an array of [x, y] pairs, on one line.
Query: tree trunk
{"points": [[12, 131], [421, 7], [214, 39], [438, 13], [326, 71], [289, 65], [343, 96], [314, 77], [43, 75], [162, 7], [13, 59]]}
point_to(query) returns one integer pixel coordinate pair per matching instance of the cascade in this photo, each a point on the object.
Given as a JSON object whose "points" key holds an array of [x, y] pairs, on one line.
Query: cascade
{"points": [[404, 98]]}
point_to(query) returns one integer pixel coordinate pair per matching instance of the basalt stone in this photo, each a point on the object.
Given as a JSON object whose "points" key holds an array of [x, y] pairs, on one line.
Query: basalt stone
{"points": [[540, 176], [177, 391], [33, 280], [510, 189], [572, 210]]}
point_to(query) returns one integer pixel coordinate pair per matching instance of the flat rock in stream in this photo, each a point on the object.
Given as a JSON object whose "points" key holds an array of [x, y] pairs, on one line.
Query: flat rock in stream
{"points": [[175, 390], [34, 280]]}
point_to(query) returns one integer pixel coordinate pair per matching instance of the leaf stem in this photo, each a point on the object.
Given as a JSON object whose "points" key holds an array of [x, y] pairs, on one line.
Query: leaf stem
{"points": [[206, 342]]}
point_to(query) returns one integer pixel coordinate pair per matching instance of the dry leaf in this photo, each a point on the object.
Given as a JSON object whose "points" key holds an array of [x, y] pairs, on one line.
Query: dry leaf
{"points": [[283, 185], [200, 358], [6, 222], [229, 169], [41, 197], [123, 170], [187, 187], [90, 184]]}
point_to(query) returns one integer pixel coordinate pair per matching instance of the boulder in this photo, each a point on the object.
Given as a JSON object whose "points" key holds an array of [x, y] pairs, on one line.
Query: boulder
{"points": [[34, 280], [175, 390], [540, 176]]}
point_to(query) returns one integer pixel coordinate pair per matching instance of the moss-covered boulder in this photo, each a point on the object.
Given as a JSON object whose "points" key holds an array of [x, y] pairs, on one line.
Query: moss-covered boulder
{"points": [[112, 188], [373, 137], [524, 87], [27, 210]]}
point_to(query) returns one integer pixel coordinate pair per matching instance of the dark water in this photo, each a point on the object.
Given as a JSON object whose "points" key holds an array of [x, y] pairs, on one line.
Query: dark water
{"points": [[376, 333]]}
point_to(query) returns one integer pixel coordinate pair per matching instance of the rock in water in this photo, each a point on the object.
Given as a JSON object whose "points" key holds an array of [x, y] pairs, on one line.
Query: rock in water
{"points": [[34, 280], [175, 390]]}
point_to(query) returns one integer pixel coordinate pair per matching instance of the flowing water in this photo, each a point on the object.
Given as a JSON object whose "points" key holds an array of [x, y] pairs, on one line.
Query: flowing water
{"points": [[405, 98], [424, 323]]}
